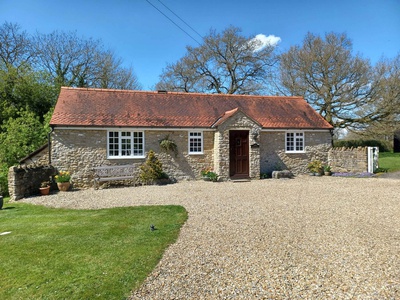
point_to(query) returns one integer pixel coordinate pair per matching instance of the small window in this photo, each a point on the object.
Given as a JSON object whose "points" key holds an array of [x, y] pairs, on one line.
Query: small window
{"points": [[125, 144], [294, 142], [196, 142]]}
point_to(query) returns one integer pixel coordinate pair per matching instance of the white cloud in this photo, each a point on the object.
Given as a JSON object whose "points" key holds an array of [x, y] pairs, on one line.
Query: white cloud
{"points": [[265, 41]]}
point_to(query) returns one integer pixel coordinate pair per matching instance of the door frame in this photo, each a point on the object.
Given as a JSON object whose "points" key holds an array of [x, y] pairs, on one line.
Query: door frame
{"points": [[242, 158]]}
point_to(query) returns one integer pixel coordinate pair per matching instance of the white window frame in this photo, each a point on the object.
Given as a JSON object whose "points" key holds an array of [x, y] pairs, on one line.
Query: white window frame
{"points": [[191, 137], [130, 139], [297, 136]]}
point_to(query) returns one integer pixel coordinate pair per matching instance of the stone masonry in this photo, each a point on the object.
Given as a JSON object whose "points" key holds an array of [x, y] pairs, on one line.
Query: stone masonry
{"points": [[79, 151], [344, 159], [239, 121], [274, 157], [25, 181]]}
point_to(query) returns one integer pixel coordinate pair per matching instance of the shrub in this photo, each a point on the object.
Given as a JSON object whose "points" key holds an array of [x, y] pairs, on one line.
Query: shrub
{"points": [[383, 146], [3, 180], [207, 173], [315, 166], [151, 170]]}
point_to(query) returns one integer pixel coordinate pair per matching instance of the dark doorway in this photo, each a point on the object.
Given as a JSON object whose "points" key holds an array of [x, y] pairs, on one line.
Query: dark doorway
{"points": [[239, 154], [396, 142]]}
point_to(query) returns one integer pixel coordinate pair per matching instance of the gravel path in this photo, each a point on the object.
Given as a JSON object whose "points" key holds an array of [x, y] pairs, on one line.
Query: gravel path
{"points": [[305, 238], [393, 175]]}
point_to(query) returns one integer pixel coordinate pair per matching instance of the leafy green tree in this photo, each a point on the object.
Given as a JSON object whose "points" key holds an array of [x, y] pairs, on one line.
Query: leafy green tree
{"points": [[226, 62], [21, 86], [25, 90], [21, 136], [3, 179]]}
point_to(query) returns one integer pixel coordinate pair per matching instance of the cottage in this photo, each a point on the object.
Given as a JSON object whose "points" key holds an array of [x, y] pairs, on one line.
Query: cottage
{"points": [[238, 136]]}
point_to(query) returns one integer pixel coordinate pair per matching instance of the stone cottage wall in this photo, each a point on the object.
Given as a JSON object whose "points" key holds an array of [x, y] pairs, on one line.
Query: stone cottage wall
{"points": [[79, 151], [353, 160], [239, 121], [183, 166], [40, 158], [274, 157]]}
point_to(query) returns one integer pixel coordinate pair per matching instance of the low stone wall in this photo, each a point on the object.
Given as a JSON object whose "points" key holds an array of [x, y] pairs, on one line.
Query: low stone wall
{"points": [[353, 160], [25, 181]]}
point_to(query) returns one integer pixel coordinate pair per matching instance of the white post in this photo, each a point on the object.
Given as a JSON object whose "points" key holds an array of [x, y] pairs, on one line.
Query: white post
{"points": [[373, 155]]}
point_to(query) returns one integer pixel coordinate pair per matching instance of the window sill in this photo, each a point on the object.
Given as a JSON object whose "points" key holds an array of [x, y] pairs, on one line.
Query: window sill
{"points": [[295, 152], [126, 157], [196, 153]]}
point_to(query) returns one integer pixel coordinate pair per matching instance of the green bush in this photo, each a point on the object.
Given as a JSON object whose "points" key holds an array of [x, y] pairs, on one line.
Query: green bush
{"points": [[383, 146], [3, 180], [151, 170]]}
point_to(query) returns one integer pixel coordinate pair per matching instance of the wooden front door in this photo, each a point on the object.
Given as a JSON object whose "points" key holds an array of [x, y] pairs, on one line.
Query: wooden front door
{"points": [[239, 154]]}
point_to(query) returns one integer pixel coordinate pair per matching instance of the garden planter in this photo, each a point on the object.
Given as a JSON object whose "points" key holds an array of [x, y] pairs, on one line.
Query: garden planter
{"points": [[63, 186], [44, 190], [162, 181], [327, 173]]}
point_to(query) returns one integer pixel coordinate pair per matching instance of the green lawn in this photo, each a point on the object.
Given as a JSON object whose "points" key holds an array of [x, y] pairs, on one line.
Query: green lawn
{"points": [[82, 254], [389, 161]]}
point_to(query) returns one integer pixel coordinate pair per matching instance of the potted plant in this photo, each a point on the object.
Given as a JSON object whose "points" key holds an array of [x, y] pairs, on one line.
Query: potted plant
{"points": [[44, 188], [167, 145], [315, 168], [327, 170], [62, 180], [209, 175]]}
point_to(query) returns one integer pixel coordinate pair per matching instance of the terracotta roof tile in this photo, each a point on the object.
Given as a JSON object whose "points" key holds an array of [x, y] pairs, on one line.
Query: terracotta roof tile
{"points": [[109, 108]]}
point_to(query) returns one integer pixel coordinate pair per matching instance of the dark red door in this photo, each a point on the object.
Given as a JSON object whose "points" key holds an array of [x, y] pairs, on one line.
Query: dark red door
{"points": [[239, 154]]}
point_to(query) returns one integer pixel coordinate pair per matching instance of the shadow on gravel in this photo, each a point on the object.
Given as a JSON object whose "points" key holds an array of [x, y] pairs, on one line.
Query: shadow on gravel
{"points": [[390, 175]]}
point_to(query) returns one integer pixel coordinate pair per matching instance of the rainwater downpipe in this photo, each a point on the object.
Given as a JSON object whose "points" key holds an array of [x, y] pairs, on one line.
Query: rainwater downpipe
{"points": [[49, 142]]}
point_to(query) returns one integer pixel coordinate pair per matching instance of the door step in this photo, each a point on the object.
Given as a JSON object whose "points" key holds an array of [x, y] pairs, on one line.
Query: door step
{"points": [[241, 180]]}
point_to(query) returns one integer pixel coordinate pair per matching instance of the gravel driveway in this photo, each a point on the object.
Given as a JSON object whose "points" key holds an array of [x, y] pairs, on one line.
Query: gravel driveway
{"points": [[304, 238]]}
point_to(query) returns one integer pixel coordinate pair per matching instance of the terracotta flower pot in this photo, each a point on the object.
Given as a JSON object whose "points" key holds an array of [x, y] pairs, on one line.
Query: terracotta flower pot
{"points": [[44, 190], [63, 186]]}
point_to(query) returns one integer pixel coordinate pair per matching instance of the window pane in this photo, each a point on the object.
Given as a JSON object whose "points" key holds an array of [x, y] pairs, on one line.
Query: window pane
{"points": [[138, 144], [113, 143], [289, 141], [125, 144], [295, 141], [195, 142]]}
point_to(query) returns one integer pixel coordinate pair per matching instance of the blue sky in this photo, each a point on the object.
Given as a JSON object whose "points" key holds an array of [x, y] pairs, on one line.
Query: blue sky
{"points": [[147, 41]]}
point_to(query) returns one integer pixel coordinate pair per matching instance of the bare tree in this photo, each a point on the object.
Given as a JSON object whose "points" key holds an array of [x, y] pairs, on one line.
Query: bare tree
{"points": [[75, 61], [335, 82], [15, 46], [225, 63], [387, 100], [109, 73], [66, 57]]}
